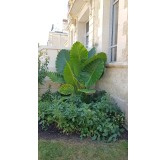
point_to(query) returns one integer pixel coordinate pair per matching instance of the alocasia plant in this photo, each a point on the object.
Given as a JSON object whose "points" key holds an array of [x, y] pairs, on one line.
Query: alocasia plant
{"points": [[77, 70]]}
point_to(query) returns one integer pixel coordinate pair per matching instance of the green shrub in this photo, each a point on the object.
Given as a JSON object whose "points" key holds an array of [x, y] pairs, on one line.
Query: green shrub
{"points": [[45, 114], [99, 118], [43, 61], [48, 96], [78, 69]]}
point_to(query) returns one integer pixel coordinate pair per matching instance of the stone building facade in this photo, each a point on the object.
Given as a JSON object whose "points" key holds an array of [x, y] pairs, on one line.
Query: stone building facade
{"points": [[57, 39], [104, 24]]}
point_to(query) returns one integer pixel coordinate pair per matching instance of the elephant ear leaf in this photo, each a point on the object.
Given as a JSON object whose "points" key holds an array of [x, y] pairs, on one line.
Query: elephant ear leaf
{"points": [[87, 91], [100, 55], [61, 59], [91, 52], [92, 72], [78, 55], [66, 89], [69, 75], [56, 77]]}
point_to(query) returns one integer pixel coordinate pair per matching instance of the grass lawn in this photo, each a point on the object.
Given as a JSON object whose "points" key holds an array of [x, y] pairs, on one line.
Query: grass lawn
{"points": [[70, 150]]}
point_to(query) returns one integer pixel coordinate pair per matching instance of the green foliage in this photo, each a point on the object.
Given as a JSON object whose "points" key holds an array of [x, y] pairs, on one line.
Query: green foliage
{"points": [[61, 60], [91, 52], [95, 57], [45, 114], [42, 67], [78, 55], [92, 72], [55, 77], [66, 89], [69, 76], [46, 108], [79, 68], [48, 96], [98, 118], [87, 91]]}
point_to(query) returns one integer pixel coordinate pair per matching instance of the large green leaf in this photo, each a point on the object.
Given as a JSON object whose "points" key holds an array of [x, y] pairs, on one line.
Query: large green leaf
{"points": [[69, 76], [66, 89], [100, 55], [87, 91], [91, 52], [56, 77], [78, 55], [61, 59], [92, 72]]}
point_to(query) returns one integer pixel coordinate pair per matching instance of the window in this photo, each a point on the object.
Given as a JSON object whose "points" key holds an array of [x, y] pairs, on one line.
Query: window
{"points": [[87, 34], [114, 33]]}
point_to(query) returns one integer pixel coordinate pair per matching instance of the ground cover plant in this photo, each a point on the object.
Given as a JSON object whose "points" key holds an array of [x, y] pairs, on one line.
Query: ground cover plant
{"points": [[77, 107], [96, 116]]}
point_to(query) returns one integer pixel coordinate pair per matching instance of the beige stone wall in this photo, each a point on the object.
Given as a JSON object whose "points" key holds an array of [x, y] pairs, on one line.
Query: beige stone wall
{"points": [[52, 52], [115, 82], [57, 40], [95, 24], [44, 87], [115, 79], [122, 32]]}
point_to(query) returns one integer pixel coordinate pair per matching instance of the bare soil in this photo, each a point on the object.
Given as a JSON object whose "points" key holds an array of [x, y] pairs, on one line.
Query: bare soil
{"points": [[54, 133]]}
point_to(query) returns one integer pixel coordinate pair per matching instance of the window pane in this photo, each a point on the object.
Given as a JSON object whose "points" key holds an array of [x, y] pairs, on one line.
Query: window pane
{"points": [[87, 41], [115, 8], [115, 23], [113, 54], [87, 34], [87, 27]]}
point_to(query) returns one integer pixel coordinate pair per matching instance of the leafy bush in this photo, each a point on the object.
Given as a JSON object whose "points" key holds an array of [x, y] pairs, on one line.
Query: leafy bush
{"points": [[77, 70], [43, 61], [46, 108], [48, 95], [99, 118], [45, 114]]}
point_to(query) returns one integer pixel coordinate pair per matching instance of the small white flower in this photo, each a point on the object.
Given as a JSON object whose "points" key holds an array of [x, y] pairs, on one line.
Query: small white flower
{"points": [[42, 59]]}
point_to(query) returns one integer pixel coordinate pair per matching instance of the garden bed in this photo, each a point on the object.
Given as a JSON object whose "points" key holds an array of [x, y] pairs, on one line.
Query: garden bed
{"points": [[53, 133], [96, 116], [77, 107]]}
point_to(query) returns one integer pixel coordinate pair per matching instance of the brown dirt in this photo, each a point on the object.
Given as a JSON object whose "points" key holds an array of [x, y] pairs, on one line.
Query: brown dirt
{"points": [[54, 133]]}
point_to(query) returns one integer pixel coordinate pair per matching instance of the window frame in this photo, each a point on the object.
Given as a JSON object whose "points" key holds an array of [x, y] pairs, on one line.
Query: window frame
{"points": [[113, 57], [87, 34]]}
